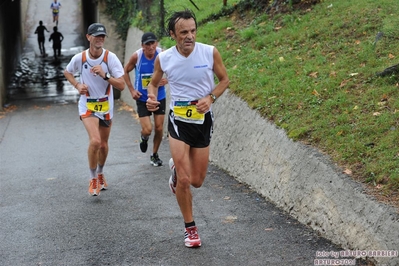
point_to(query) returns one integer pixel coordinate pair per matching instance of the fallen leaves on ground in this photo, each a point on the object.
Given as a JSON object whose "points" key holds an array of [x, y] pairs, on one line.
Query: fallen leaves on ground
{"points": [[7, 109]]}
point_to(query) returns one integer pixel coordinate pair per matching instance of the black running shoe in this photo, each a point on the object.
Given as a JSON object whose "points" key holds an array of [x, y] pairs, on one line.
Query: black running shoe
{"points": [[143, 144], [155, 161]]}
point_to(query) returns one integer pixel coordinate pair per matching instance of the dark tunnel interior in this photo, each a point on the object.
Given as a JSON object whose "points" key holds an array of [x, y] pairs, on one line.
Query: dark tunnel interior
{"points": [[11, 30]]}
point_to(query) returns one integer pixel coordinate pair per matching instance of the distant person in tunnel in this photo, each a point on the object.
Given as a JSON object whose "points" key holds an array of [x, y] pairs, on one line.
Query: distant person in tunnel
{"points": [[100, 70], [142, 61], [55, 7], [40, 37], [57, 39]]}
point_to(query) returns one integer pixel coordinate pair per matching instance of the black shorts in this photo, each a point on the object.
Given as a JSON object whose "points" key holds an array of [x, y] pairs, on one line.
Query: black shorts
{"points": [[143, 111], [194, 135]]}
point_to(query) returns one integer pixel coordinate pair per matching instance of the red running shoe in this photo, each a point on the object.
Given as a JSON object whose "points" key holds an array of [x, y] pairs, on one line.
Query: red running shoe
{"points": [[191, 237]]}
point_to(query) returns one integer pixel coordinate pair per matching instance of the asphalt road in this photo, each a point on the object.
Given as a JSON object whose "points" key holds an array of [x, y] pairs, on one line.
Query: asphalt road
{"points": [[48, 218]]}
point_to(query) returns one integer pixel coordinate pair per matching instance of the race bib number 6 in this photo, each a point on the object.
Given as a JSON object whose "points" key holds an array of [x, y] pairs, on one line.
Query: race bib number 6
{"points": [[98, 105], [186, 111]]}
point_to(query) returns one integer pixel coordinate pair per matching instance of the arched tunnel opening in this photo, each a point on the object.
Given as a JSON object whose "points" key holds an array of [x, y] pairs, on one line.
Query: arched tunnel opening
{"points": [[22, 68]]}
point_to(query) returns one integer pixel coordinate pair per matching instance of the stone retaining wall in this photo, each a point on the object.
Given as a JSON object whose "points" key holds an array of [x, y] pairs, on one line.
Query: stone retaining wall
{"points": [[300, 180]]}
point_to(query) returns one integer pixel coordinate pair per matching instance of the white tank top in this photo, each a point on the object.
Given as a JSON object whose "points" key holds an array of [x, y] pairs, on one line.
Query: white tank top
{"points": [[189, 78]]}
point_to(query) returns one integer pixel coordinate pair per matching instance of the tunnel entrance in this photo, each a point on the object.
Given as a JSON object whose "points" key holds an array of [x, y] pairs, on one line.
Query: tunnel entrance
{"points": [[28, 75]]}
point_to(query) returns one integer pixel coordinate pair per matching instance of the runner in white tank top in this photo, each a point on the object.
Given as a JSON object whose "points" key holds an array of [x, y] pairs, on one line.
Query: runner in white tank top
{"points": [[190, 68]]}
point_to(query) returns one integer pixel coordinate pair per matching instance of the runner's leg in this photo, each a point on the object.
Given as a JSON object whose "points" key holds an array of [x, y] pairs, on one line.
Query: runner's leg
{"points": [[92, 127], [158, 131], [191, 165], [103, 152]]}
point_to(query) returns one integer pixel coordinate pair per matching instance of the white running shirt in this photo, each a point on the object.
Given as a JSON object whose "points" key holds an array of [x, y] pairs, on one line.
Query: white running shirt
{"points": [[190, 78], [97, 85]]}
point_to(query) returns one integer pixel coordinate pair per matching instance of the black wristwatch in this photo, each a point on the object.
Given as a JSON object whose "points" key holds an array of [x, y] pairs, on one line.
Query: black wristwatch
{"points": [[107, 76]]}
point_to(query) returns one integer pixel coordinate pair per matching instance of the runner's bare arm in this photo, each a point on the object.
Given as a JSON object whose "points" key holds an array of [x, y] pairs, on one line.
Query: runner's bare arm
{"points": [[156, 78], [152, 103], [82, 88], [220, 71], [117, 83], [131, 64]]}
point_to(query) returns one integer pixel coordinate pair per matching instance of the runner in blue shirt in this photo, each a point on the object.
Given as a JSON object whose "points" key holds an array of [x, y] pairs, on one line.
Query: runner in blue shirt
{"points": [[143, 62]]}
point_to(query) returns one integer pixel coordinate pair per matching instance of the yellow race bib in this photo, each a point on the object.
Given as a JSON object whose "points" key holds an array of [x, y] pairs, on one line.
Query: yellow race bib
{"points": [[98, 105], [186, 111], [145, 80]]}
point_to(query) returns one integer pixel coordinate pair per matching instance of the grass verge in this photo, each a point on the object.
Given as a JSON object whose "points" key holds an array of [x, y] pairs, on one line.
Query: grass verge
{"points": [[311, 69]]}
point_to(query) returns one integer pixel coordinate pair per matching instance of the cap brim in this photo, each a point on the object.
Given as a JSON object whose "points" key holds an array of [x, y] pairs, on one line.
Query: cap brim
{"points": [[150, 40], [98, 34]]}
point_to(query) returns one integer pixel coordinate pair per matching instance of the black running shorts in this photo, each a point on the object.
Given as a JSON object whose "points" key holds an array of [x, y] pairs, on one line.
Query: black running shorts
{"points": [[143, 111], [194, 135]]}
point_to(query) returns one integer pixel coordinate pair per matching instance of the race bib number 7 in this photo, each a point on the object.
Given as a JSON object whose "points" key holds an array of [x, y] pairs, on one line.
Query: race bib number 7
{"points": [[186, 111], [98, 105], [145, 80]]}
